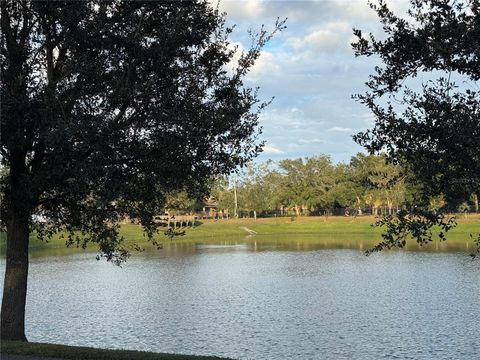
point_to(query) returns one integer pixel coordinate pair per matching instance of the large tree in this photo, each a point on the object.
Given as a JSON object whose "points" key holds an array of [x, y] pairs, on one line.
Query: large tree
{"points": [[106, 107], [383, 183], [260, 187], [307, 184], [426, 104]]}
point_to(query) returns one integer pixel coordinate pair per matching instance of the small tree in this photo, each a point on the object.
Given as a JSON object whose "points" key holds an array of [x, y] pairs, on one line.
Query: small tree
{"points": [[107, 106], [463, 208]]}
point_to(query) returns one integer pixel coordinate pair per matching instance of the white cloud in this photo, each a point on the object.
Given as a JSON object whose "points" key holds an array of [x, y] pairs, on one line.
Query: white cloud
{"points": [[341, 129], [271, 149], [266, 63], [241, 9], [311, 71], [238, 48], [332, 36], [311, 141]]}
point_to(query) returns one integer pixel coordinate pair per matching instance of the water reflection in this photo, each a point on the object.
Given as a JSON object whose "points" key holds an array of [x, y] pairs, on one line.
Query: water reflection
{"points": [[261, 243], [258, 243]]}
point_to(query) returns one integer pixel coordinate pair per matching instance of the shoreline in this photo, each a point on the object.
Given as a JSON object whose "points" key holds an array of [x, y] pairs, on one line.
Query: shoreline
{"points": [[56, 351], [333, 232]]}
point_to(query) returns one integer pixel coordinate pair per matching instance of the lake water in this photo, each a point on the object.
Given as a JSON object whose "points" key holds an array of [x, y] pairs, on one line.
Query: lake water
{"points": [[249, 301]]}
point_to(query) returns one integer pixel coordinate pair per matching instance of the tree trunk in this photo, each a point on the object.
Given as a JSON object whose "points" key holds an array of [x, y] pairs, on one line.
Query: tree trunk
{"points": [[15, 284], [235, 213]]}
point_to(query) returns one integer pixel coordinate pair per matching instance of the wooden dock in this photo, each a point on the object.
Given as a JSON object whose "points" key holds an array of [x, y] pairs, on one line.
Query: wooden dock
{"points": [[177, 221]]}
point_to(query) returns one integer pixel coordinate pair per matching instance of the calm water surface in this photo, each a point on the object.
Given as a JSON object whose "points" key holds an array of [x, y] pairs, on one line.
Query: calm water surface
{"points": [[276, 303]]}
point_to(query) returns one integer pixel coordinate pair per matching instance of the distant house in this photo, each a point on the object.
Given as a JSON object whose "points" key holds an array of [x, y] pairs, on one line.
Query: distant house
{"points": [[210, 207]]}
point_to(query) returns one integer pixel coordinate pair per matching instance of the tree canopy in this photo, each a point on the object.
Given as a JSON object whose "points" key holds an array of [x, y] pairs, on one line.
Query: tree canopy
{"points": [[426, 103], [313, 185], [107, 106]]}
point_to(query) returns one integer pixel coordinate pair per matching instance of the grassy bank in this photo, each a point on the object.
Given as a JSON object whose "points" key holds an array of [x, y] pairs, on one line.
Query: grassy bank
{"points": [[337, 230], [80, 353]]}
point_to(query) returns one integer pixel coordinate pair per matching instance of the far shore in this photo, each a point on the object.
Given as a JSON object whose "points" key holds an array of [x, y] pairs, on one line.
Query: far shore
{"points": [[306, 229]]}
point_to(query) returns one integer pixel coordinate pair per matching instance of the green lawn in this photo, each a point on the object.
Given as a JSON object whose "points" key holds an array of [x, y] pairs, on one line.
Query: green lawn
{"points": [[80, 353], [306, 229]]}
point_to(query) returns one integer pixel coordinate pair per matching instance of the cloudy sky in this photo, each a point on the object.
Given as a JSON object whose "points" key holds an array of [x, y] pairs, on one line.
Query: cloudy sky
{"points": [[311, 71]]}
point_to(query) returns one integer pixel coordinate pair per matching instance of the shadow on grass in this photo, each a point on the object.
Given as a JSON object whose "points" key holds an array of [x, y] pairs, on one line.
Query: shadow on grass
{"points": [[81, 353]]}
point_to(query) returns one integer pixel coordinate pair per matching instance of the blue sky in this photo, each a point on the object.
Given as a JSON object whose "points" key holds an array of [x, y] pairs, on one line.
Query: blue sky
{"points": [[311, 71]]}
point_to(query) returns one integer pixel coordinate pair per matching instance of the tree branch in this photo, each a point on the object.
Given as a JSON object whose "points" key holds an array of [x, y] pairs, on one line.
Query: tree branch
{"points": [[12, 45]]}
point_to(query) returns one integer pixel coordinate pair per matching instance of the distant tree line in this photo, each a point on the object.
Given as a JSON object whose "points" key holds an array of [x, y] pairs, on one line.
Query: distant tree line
{"points": [[368, 184]]}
